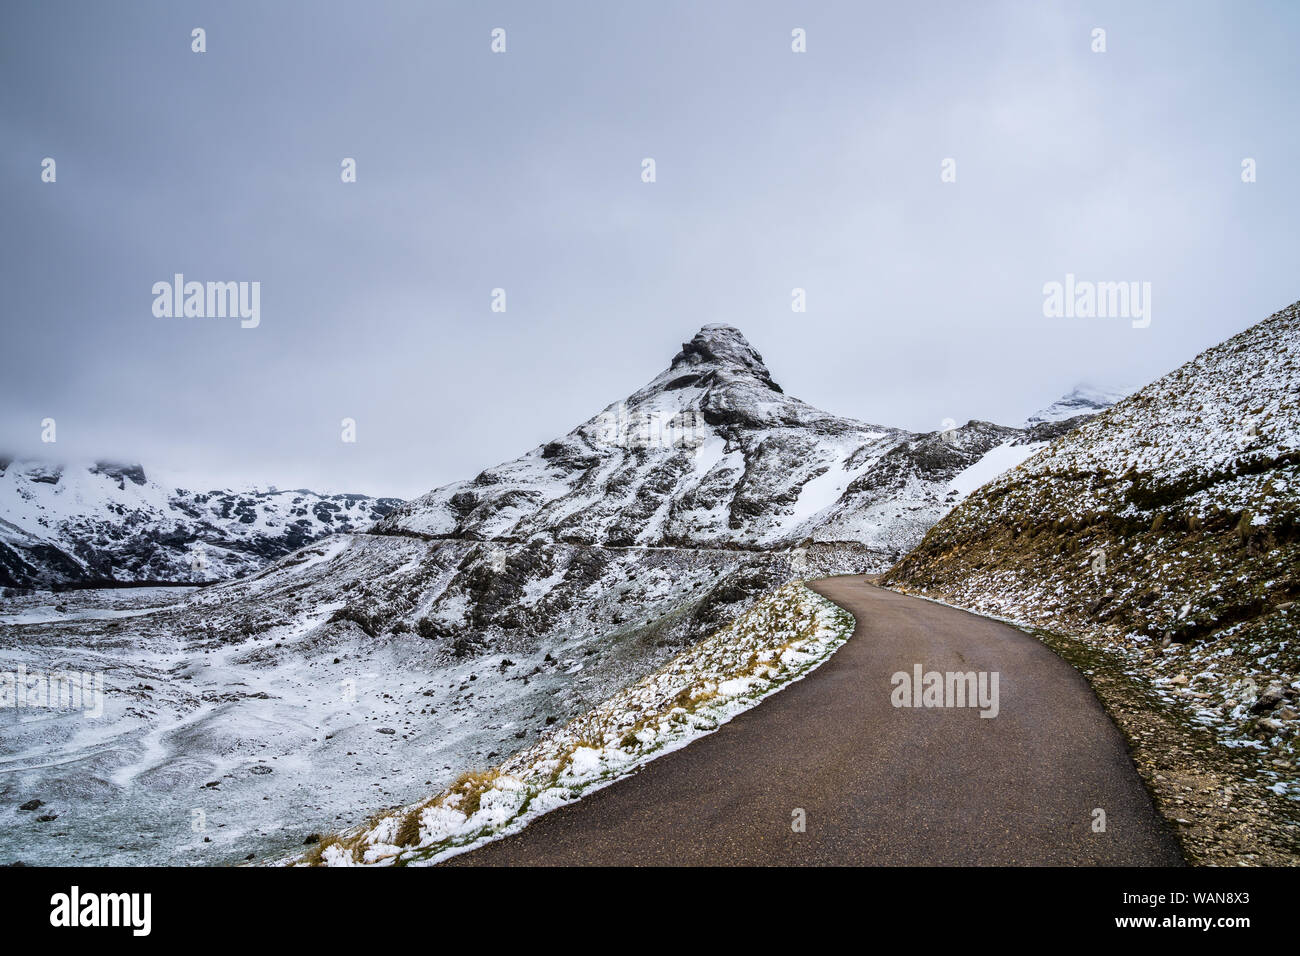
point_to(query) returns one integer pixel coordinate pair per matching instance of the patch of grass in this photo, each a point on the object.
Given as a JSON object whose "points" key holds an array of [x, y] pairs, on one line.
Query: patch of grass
{"points": [[469, 787], [316, 855], [408, 831]]}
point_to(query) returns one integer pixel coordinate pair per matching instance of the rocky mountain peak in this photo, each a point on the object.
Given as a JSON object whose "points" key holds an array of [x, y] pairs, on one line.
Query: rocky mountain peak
{"points": [[724, 348]]}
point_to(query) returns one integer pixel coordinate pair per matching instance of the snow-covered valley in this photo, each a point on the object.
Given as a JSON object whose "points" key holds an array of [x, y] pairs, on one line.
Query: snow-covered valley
{"points": [[342, 680]]}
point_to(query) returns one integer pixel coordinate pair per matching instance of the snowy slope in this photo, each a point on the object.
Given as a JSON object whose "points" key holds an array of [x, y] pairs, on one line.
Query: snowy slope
{"points": [[357, 673], [108, 522]]}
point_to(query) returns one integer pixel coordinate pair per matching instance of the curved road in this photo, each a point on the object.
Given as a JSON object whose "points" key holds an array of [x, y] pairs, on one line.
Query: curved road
{"points": [[879, 785]]}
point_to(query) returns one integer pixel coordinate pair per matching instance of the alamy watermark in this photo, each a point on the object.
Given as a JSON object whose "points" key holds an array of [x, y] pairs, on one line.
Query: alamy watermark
{"points": [[655, 429], [1098, 562], [57, 690], [1083, 299], [922, 688], [210, 300], [75, 908], [948, 432]]}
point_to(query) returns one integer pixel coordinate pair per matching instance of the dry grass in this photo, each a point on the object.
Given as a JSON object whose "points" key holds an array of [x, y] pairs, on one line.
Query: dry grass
{"points": [[316, 855], [469, 788]]}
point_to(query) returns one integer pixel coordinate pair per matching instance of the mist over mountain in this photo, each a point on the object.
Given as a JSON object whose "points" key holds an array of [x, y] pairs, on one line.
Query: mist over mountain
{"points": [[1083, 399]]}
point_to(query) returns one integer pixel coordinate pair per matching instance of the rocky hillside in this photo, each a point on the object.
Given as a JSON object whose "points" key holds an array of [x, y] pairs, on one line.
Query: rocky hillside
{"points": [[106, 523], [1168, 529], [713, 453]]}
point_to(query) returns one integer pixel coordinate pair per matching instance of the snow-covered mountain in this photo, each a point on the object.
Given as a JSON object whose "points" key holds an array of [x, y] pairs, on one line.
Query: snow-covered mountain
{"points": [[105, 522], [713, 453], [1083, 399]]}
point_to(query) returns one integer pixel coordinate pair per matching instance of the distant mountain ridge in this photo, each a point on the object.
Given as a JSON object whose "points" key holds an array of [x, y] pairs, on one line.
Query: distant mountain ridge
{"points": [[105, 522], [1083, 399]]}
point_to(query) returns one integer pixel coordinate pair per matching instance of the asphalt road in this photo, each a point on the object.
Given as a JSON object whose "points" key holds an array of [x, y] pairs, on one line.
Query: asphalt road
{"points": [[879, 784]]}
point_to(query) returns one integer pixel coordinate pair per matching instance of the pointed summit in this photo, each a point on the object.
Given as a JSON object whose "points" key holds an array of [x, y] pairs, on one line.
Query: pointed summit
{"points": [[719, 347]]}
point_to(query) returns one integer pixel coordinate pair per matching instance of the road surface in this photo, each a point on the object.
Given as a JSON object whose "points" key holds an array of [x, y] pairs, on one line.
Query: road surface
{"points": [[879, 784]]}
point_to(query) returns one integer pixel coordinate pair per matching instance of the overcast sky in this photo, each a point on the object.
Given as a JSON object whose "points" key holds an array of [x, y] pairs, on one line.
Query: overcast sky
{"points": [[522, 171]]}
